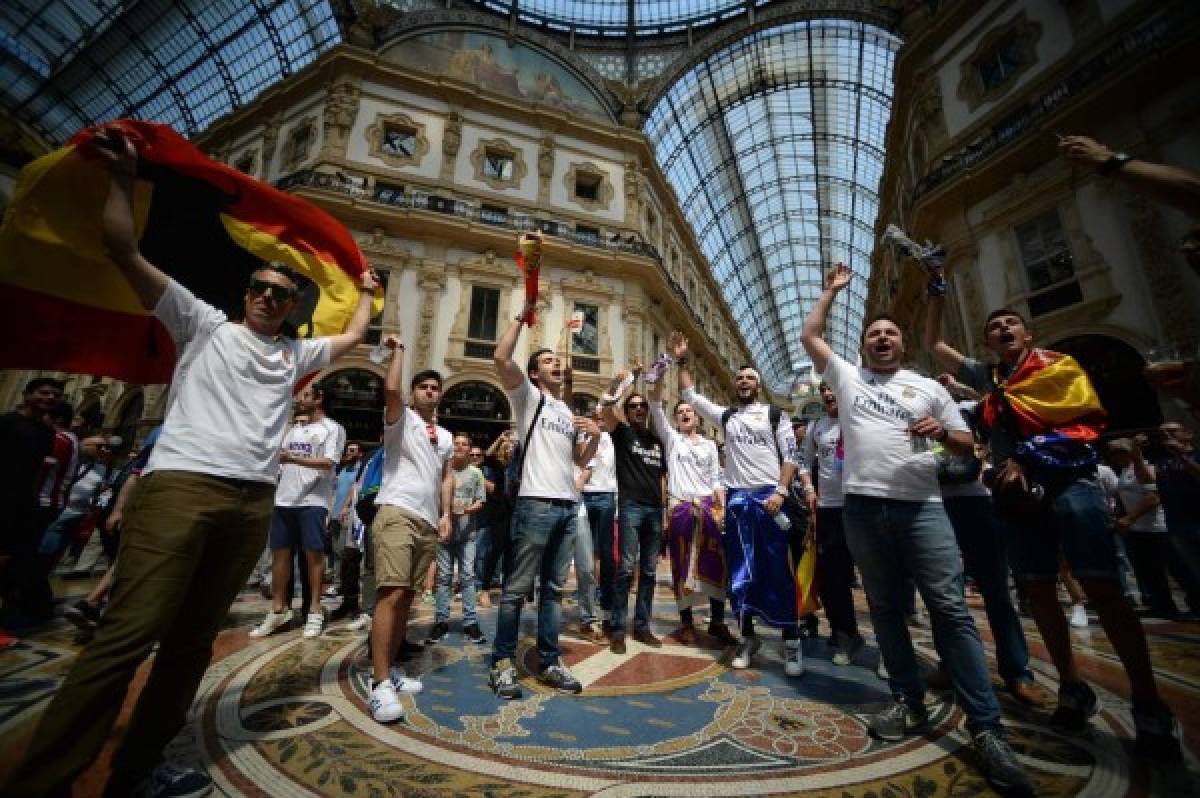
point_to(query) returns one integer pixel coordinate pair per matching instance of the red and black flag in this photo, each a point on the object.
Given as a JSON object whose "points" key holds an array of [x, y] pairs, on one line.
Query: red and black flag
{"points": [[68, 308]]}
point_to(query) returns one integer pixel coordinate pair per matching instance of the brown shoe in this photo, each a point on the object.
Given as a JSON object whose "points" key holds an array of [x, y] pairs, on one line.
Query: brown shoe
{"points": [[590, 632], [618, 644], [1029, 693], [686, 635], [606, 629], [722, 634], [647, 638]]}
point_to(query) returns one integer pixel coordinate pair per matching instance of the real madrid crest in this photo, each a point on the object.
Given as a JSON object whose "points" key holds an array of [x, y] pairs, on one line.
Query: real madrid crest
{"points": [[908, 393]]}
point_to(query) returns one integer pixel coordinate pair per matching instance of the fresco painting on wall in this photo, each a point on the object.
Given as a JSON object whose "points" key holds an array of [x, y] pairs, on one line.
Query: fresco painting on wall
{"points": [[490, 63]]}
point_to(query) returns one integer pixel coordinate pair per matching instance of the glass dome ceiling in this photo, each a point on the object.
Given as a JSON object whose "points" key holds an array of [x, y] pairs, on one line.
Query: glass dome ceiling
{"points": [[616, 17], [774, 146]]}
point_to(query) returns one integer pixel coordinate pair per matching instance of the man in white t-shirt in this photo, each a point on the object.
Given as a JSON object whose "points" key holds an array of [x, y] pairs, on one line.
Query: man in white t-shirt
{"points": [[599, 513], [823, 453], [896, 527], [415, 501], [311, 450], [760, 464], [203, 505], [553, 440]]}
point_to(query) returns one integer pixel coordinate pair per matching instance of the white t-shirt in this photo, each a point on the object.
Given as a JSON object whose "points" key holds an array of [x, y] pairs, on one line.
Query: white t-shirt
{"points": [[413, 467], [1131, 493], [875, 411], [550, 456], [823, 442], [301, 486], [231, 394], [751, 456], [1109, 482], [603, 465], [693, 467]]}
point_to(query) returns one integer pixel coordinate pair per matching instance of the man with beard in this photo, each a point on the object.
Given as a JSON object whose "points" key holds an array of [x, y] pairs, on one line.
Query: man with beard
{"points": [[302, 503], [553, 441], [896, 527], [696, 507], [760, 463], [1039, 414], [823, 453]]}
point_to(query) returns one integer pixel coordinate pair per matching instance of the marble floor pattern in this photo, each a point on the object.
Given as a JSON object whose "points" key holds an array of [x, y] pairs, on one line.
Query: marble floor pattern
{"points": [[287, 717]]}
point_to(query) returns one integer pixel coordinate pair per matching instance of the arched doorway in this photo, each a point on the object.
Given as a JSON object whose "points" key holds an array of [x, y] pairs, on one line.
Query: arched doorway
{"points": [[354, 399], [1115, 369], [477, 408]]}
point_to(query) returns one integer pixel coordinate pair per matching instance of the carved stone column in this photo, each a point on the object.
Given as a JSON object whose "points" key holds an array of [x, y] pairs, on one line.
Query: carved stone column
{"points": [[632, 207], [545, 168], [341, 109], [270, 144], [431, 281], [451, 142]]}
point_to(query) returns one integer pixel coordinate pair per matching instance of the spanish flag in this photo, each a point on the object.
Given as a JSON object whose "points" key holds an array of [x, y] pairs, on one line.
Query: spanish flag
{"points": [[68, 308], [1049, 394]]}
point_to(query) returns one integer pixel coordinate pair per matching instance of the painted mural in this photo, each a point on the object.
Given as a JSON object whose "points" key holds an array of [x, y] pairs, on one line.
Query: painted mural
{"points": [[491, 63]]}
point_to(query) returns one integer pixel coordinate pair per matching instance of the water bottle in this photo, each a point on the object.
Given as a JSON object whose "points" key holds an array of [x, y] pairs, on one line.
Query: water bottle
{"points": [[380, 354], [782, 520]]}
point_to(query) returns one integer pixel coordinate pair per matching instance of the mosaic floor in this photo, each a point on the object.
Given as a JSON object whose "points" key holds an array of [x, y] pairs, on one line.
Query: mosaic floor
{"points": [[288, 717]]}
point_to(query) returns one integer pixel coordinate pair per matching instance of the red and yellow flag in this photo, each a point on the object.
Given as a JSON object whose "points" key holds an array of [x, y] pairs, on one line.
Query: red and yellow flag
{"points": [[67, 306], [1049, 393]]}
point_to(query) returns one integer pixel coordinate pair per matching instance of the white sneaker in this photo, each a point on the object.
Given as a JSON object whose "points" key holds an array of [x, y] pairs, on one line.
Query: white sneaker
{"points": [[746, 651], [272, 623], [314, 624], [1079, 617], [793, 660], [385, 704], [360, 623], [403, 683]]}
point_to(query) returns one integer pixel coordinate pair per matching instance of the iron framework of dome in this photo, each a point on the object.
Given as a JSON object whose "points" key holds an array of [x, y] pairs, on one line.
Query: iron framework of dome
{"points": [[618, 18], [774, 147], [67, 64]]}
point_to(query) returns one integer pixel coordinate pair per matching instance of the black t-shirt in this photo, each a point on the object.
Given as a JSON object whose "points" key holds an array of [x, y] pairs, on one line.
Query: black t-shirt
{"points": [[639, 463], [25, 443], [1002, 439]]}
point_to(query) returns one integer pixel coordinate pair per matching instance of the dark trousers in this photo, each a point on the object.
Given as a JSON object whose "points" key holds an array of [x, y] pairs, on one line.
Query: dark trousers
{"points": [[1152, 558], [190, 542], [349, 574], [835, 572], [498, 554]]}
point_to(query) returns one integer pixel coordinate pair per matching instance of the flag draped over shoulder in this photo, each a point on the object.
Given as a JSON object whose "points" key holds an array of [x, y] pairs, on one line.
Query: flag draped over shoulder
{"points": [[68, 308], [1050, 394]]}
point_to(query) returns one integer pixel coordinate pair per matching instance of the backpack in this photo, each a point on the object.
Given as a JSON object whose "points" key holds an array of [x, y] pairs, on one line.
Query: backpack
{"points": [[516, 466], [370, 479]]}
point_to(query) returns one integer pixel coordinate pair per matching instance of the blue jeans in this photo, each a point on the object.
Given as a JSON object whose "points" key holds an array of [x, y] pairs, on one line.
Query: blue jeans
{"points": [[483, 544], [981, 539], [585, 569], [1076, 522], [448, 554], [601, 512], [892, 540], [541, 547], [641, 531]]}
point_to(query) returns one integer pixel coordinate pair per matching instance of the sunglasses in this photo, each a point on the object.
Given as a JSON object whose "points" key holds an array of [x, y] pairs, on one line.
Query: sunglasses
{"points": [[278, 293], [636, 406]]}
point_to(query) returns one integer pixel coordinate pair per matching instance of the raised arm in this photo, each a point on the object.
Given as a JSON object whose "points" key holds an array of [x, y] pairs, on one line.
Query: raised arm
{"points": [[393, 395], [1170, 184], [710, 411], [585, 450], [118, 230], [617, 388], [814, 323], [352, 337], [946, 356], [507, 370]]}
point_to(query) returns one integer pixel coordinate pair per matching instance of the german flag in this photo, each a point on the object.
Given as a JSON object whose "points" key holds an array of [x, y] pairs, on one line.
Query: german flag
{"points": [[68, 308]]}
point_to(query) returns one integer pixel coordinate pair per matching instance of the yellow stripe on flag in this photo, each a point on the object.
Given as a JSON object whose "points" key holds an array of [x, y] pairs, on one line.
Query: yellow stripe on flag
{"points": [[1059, 393]]}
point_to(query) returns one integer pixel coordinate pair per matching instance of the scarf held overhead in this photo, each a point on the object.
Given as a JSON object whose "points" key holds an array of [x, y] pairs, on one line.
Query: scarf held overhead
{"points": [[207, 225]]}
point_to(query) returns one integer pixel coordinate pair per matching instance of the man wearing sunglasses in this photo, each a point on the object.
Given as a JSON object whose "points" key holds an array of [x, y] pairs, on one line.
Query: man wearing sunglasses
{"points": [[199, 521]]}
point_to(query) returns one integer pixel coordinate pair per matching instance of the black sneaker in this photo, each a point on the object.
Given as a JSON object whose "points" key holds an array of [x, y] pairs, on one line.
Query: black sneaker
{"points": [[999, 764], [474, 635], [84, 616], [561, 679], [503, 680], [898, 721], [1157, 734], [437, 633], [347, 609], [1077, 703]]}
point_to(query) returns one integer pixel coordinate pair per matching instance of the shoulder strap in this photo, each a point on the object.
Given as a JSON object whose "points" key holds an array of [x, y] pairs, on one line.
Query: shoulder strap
{"points": [[529, 437], [728, 414], [774, 415]]}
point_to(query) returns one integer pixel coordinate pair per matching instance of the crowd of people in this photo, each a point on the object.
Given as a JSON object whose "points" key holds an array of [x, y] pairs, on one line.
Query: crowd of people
{"points": [[908, 483]]}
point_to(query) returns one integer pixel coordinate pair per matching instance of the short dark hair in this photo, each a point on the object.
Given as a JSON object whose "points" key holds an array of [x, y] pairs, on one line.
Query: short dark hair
{"points": [[634, 395], [681, 402], [998, 312], [880, 317], [38, 382], [62, 413], [421, 376], [278, 268], [532, 364]]}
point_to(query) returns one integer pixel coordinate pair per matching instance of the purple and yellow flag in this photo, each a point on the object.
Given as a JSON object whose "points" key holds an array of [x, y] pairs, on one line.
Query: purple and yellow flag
{"points": [[67, 306]]}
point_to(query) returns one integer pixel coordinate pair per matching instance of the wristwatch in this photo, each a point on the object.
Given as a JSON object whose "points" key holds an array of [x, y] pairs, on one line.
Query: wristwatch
{"points": [[1115, 163]]}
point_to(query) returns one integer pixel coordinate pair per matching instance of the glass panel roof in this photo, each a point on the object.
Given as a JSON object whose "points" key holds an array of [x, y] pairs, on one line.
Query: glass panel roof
{"points": [[67, 64], [775, 149], [612, 17]]}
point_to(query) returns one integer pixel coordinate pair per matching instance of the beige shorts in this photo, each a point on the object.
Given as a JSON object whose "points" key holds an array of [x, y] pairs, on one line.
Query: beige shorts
{"points": [[403, 545]]}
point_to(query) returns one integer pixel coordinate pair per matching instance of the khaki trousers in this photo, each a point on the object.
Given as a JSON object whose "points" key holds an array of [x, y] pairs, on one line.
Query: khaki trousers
{"points": [[189, 543]]}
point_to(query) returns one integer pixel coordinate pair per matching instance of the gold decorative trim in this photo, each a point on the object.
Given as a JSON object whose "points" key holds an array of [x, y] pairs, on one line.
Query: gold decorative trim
{"points": [[375, 138], [970, 86], [604, 186], [499, 147]]}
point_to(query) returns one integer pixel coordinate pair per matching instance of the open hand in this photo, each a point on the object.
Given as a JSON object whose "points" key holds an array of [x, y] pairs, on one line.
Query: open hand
{"points": [[927, 427], [369, 281], [586, 426], [1084, 151], [839, 278], [111, 145], [677, 344]]}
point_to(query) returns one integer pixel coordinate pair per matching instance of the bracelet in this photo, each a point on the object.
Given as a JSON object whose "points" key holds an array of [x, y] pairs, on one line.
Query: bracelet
{"points": [[1115, 163]]}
